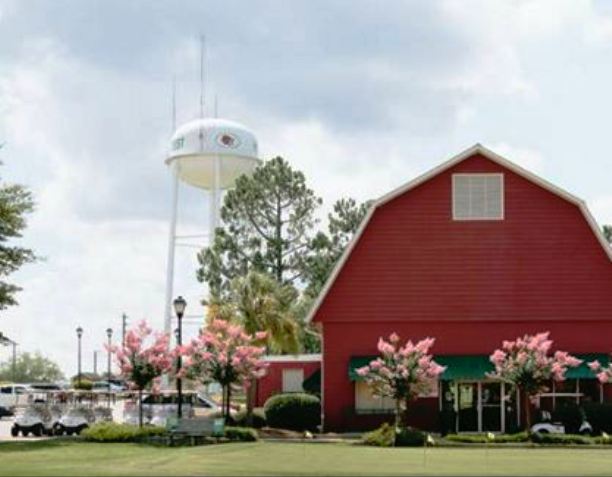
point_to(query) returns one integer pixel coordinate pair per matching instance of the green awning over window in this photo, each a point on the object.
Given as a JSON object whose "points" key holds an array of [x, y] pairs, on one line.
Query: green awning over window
{"points": [[476, 367], [465, 367], [583, 371]]}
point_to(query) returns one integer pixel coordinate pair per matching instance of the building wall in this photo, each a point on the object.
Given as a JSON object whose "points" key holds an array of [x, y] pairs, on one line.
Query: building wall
{"points": [[272, 382], [469, 284]]}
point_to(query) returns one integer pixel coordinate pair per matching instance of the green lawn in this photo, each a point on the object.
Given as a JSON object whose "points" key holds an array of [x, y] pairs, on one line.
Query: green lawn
{"points": [[79, 458]]}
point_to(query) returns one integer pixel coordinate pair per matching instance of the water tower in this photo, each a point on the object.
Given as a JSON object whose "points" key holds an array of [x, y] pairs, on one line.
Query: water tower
{"points": [[209, 154]]}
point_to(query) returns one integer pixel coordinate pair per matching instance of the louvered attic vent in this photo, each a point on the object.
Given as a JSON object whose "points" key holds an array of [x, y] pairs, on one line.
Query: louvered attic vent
{"points": [[478, 196]]}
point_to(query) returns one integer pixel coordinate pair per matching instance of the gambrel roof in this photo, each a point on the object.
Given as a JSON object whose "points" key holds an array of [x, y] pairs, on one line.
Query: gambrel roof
{"points": [[476, 149]]}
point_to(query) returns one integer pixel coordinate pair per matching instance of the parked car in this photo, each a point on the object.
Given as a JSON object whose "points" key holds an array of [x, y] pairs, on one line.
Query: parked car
{"points": [[14, 395], [37, 419], [74, 420], [546, 426]]}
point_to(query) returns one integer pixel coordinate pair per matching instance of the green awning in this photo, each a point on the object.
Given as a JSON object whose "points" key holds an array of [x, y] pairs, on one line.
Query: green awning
{"points": [[476, 367], [583, 371], [465, 367]]}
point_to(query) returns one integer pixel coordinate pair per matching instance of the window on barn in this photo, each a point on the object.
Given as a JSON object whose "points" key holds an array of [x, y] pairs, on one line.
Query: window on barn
{"points": [[478, 196], [366, 403], [292, 380]]}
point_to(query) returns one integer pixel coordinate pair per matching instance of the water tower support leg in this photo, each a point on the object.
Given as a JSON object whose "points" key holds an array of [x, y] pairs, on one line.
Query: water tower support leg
{"points": [[171, 249]]}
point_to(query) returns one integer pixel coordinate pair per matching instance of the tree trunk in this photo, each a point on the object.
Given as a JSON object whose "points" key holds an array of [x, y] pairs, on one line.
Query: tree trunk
{"points": [[251, 396], [406, 403], [140, 407], [527, 410], [229, 394]]}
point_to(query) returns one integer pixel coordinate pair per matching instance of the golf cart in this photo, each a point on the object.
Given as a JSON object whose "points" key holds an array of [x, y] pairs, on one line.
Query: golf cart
{"points": [[38, 419], [74, 420], [546, 426]]}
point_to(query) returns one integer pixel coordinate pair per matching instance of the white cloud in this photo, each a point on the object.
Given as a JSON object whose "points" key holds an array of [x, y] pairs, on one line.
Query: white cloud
{"points": [[601, 208], [530, 159]]}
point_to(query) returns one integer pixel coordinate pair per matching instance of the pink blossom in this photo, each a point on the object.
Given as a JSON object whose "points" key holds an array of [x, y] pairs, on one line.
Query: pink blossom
{"points": [[594, 365], [603, 377]]}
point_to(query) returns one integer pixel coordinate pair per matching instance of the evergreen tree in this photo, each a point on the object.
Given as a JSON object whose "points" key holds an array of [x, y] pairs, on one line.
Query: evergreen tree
{"points": [[268, 226], [607, 231]]}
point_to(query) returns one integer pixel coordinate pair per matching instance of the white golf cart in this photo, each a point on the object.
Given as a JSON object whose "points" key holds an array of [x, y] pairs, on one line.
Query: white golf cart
{"points": [[546, 426]]}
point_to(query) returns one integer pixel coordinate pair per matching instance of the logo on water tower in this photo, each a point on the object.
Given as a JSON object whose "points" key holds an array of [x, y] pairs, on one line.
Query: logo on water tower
{"points": [[228, 140]]}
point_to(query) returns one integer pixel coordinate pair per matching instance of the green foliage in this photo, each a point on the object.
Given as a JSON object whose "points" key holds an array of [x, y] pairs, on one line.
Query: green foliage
{"points": [[112, 432], [83, 385], [343, 222], [409, 437], [260, 303], [384, 436], [599, 416], [31, 368], [241, 434], [258, 419], [295, 411], [482, 438], [268, 224], [15, 203], [607, 231], [540, 438]]}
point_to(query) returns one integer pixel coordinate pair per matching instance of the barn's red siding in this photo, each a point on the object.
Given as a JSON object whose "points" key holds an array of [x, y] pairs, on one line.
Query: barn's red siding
{"points": [[469, 284], [272, 382]]}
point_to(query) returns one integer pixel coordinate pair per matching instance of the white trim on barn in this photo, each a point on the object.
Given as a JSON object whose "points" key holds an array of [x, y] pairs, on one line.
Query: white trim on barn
{"points": [[476, 149]]}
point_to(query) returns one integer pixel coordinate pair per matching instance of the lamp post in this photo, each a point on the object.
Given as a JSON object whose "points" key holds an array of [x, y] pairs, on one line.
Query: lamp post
{"points": [[109, 334], [95, 370], [79, 332], [179, 308]]}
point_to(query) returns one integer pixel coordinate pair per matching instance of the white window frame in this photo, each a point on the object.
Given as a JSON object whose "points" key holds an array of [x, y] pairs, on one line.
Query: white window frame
{"points": [[380, 409], [502, 208]]}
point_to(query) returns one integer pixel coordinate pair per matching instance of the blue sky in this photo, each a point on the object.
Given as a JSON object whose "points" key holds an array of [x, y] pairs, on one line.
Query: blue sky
{"points": [[361, 96]]}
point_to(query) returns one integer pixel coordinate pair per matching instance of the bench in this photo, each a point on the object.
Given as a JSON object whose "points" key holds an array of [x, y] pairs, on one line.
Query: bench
{"points": [[194, 430]]}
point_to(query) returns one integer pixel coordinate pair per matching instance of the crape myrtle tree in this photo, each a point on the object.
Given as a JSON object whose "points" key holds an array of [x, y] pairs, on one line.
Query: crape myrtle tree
{"points": [[604, 374], [224, 353], [142, 359], [527, 365], [402, 373]]}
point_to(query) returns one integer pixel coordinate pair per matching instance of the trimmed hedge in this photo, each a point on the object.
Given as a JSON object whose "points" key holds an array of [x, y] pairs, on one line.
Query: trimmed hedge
{"points": [[482, 438], [295, 411], [599, 416], [112, 432], [539, 438], [241, 434]]}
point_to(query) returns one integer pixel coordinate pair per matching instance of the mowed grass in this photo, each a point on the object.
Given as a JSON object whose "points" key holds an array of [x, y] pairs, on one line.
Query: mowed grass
{"points": [[81, 458]]}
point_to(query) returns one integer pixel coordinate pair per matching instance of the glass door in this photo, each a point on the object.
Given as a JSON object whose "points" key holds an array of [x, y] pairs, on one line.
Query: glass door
{"points": [[491, 406], [467, 407]]}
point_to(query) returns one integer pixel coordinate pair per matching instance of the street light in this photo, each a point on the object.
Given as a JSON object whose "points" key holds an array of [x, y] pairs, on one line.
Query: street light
{"points": [[109, 334], [179, 308], [79, 332]]}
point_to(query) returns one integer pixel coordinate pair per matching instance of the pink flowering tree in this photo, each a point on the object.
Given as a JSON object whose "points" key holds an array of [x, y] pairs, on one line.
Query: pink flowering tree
{"points": [[142, 359], [224, 353], [604, 375], [402, 373], [527, 365]]}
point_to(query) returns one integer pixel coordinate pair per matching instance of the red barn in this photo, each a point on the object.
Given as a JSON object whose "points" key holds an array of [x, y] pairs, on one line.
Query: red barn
{"points": [[289, 374], [476, 251]]}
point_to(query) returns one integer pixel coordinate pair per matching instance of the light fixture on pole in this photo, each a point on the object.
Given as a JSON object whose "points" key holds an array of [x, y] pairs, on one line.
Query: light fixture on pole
{"points": [[179, 308], [79, 332]]}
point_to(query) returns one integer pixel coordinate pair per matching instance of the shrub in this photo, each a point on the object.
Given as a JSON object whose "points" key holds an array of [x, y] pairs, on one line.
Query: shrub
{"points": [[540, 438], [381, 437], [259, 419], [84, 385], [112, 432], [482, 438], [409, 437], [241, 434], [297, 412]]}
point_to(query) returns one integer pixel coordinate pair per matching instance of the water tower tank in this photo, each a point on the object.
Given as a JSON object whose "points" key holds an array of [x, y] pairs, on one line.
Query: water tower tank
{"points": [[199, 146]]}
